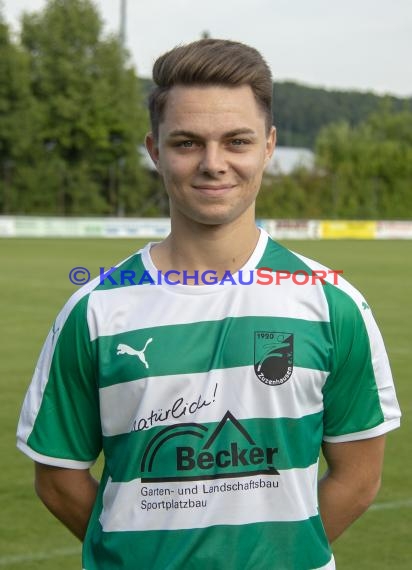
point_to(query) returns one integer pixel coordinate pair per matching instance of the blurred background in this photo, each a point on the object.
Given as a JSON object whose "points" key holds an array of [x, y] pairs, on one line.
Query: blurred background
{"points": [[74, 79]]}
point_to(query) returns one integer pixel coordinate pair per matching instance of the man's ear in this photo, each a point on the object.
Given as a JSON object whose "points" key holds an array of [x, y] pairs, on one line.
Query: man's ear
{"points": [[270, 144], [153, 150]]}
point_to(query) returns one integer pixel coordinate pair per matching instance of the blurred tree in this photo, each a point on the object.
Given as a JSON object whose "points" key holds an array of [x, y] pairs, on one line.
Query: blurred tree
{"points": [[300, 111], [369, 167], [300, 194], [92, 116], [18, 116], [72, 119]]}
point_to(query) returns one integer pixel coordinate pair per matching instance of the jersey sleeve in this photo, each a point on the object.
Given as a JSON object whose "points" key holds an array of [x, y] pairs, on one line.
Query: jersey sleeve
{"points": [[359, 395], [60, 421]]}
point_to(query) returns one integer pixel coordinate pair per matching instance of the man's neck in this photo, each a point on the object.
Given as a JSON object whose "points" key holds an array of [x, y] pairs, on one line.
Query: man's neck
{"points": [[202, 248]]}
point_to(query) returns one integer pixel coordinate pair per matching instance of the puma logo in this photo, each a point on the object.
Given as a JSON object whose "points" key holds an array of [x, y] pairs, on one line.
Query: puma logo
{"points": [[125, 349]]}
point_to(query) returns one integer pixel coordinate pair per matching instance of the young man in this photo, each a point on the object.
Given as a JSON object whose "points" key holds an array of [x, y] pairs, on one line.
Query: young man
{"points": [[211, 402]]}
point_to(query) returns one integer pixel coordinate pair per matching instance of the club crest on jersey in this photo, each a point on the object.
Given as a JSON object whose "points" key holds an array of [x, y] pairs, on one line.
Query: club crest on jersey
{"points": [[273, 357]]}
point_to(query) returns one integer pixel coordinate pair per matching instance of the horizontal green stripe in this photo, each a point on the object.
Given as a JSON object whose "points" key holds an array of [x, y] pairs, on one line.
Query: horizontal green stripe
{"points": [[298, 545], [153, 453], [208, 345]]}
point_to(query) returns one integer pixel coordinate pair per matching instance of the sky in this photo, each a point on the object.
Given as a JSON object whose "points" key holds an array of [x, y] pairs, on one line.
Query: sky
{"points": [[364, 45]]}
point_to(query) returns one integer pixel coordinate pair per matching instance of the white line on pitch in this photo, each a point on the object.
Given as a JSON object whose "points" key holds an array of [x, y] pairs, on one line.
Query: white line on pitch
{"points": [[18, 558], [7, 560], [402, 504]]}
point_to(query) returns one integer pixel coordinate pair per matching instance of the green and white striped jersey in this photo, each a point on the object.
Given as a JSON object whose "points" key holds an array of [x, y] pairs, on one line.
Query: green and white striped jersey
{"points": [[210, 404]]}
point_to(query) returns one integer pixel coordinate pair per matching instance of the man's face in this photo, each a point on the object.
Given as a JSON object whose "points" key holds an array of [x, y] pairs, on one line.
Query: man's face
{"points": [[211, 151]]}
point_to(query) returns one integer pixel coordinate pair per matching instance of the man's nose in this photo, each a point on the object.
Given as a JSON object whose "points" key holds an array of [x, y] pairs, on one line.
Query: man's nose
{"points": [[213, 161]]}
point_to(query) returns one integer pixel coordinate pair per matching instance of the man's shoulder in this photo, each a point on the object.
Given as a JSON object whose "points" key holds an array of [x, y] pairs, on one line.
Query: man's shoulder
{"points": [[113, 277], [279, 257], [338, 290], [128, 272], [340, 294]]}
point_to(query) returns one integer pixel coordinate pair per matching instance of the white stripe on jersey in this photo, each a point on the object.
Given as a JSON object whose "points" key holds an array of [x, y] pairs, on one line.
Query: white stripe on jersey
{"points": [[380, 429], [123, 502], [126, 309], [234, 389]]}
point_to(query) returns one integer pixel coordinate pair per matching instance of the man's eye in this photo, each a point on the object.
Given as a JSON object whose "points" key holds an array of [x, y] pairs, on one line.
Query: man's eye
{"points": [[239, 142], [185, 144]]}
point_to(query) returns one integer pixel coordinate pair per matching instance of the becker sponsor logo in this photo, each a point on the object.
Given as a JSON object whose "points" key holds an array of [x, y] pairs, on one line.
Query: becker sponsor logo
{"points": [[191, 452], [273, 357]]}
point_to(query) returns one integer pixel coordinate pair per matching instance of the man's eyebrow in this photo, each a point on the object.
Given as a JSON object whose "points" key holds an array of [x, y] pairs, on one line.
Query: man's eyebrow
{"points": [[180, 133], [229, 134], [241, 131]]}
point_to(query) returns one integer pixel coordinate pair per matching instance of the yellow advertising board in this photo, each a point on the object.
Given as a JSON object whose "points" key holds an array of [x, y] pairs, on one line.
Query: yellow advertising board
{"points": [[345, 229]]}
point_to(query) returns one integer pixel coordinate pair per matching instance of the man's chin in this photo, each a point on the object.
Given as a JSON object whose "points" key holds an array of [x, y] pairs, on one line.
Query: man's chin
{"points": [[213, 218]]}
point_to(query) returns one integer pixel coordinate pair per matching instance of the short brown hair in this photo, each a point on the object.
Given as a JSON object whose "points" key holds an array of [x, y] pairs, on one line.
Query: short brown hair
{"points": [[210, 62]]}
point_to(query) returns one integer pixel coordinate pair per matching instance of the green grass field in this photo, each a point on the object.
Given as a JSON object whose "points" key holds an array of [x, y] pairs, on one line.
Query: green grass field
{"points": [[34, 285]]}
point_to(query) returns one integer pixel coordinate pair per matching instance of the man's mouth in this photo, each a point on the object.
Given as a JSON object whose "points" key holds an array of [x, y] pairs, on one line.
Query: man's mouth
{"points": [[214, 188]]}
